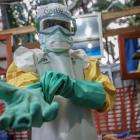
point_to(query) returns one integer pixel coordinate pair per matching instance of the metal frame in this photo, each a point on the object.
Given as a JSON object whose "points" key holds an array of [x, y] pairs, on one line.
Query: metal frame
{"points": [[92, 38], [125, 74]]}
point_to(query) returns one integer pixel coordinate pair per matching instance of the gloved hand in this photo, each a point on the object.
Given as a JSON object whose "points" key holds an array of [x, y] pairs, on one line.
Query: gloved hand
{"points": [[84, 93], [25, 108], [33, 106]]}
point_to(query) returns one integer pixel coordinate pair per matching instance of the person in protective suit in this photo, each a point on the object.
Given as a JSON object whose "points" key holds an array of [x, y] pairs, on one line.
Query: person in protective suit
{"points": [[52, 83]]}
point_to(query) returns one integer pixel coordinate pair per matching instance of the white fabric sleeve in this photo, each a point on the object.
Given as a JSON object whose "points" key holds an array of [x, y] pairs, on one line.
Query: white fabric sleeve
{"points": [[25, 58]]}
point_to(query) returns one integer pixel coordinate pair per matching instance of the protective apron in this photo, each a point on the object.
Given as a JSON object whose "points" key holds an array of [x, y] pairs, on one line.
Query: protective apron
{"points": [[73, 122]]}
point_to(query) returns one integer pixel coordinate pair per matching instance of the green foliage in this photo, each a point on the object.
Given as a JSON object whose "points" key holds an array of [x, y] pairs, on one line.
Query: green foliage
{"points": [[134, 21], [11, 19], [20, 15], [101, 5]]}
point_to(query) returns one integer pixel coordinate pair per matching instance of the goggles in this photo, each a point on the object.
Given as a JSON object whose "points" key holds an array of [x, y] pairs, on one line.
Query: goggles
{"points": [[68, 28]]}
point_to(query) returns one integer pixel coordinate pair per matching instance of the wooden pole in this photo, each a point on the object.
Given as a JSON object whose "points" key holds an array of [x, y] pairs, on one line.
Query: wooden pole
{"points": [[19, 30], [113, 32], [122, 13]]}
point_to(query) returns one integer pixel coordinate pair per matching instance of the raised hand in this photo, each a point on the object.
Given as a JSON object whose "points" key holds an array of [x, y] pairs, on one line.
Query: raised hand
{"points": [[25, 108]]}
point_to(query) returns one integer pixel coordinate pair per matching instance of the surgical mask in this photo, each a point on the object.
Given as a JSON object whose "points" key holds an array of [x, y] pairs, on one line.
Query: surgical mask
{"points": [[56, 39]]}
